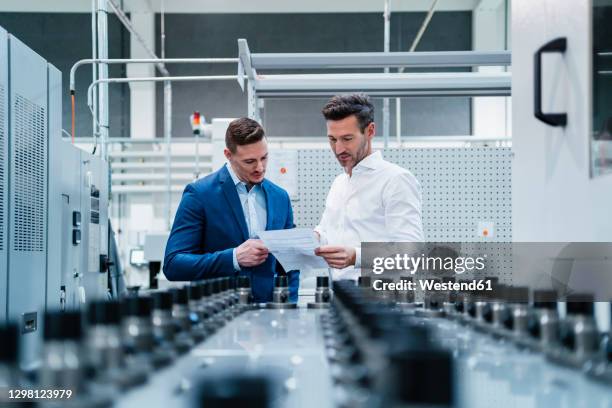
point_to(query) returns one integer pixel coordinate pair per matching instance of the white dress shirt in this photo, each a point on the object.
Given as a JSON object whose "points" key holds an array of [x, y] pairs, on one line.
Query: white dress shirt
{"points": [[253, 203], [380, 202]]}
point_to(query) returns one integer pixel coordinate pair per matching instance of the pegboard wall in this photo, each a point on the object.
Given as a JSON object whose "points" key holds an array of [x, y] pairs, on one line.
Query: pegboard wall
{"points": [[465, 190]]}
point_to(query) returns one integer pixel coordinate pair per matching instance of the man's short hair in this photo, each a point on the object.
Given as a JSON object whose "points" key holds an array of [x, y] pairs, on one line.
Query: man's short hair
{"points": [[343, 106], [243, 131]]}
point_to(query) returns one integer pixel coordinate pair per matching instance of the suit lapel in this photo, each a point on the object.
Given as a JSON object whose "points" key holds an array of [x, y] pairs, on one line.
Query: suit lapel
{"points": [[269, 203], [231, 195]]}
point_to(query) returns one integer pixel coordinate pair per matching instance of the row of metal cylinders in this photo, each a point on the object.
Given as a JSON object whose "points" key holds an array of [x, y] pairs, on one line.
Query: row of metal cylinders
{"points": [[116, 343], [381, 355], [529, 318]]}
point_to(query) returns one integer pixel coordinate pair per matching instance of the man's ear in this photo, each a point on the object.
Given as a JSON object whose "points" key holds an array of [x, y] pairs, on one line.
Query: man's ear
{"points": [[371, 130], [227, 153]]}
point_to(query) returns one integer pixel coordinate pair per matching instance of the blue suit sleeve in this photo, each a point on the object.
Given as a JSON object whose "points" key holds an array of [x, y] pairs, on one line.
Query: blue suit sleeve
{"points": [[294, 275], [184, 259]]}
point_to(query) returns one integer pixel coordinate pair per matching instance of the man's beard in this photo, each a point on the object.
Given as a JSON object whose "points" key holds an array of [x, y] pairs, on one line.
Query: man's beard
{"points": [[359, 156]]}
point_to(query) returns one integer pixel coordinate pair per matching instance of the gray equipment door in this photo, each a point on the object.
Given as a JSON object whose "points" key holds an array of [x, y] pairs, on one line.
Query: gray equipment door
{"points": [[553, 197], [56, 170], [27, 190]]}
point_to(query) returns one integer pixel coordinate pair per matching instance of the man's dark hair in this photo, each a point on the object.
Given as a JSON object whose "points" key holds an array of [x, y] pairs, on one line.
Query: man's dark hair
{"points": [[343, 106], [243, 131]]}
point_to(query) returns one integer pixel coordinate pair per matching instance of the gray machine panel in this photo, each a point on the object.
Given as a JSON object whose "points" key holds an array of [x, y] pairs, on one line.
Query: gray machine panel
{"points": [[56, 167], [27, 190], [3, 171], [82, 241], [70, 186], [94, 205]]}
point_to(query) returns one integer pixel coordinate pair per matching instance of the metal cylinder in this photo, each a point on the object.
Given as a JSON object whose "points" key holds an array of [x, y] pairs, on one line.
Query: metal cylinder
{"points": [[163, 324], [212, 322], [137, 327], [405, 296], [9, 352], [62, 364], [544, 324], [243, 289], [105, 350], [280, 294], [322, 292], [180, 309], [583, 335]]}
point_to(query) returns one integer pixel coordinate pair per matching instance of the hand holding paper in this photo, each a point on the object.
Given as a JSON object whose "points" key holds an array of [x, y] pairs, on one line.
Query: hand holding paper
{"points": [[338, 257], [293, 248]]}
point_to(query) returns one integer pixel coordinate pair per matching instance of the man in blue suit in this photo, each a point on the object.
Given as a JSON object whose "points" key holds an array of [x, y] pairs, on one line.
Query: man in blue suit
{"points": [[219, 216]]}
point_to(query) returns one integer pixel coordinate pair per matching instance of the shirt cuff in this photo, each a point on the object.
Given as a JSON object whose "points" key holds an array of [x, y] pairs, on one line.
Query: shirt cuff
{"points": [[322, 238], [358, 257], [235, 260]]}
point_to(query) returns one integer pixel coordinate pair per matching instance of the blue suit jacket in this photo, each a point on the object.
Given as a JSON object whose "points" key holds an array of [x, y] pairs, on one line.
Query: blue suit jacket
{"points": [[210, 223]]}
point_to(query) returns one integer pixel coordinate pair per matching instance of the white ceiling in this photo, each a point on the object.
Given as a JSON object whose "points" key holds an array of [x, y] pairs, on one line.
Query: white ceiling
{"points": [[239, 6]]}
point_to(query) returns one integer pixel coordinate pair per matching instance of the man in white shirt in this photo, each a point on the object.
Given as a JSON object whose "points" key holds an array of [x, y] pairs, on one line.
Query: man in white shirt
{"points": [[373, 200]]}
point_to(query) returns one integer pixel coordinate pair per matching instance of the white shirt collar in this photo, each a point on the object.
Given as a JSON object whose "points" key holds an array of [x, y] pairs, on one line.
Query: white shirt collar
{"points": [[233, 175], [372, 162]]}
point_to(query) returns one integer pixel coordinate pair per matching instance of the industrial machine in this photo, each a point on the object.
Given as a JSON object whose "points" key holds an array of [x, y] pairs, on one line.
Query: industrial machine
{"points": [[53, 200], [367, 349]]}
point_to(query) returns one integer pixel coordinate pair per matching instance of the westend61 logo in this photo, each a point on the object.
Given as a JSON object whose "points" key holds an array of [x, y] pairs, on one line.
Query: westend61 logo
{"points": [[413, 264]]}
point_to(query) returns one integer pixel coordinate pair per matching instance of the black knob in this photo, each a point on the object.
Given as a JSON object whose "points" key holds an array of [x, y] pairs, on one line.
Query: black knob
{"points": [[104, 312], [322, 281], [194, 291], [471, 309], [137, 306], [9, 344], [420, 377], [234, 391], [206, 288], [545, 299], [243, 282], [215, 284], [507, 319], [63, 325], [180, 296], [225, 284], [533, 326], [567, 336], [517, 294], [487, 313], [162, 300], [580, 304], [364, 282], [281, 281]]}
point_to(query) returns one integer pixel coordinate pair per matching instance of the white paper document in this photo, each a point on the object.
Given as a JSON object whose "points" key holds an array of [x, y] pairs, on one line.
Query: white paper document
{"points": [[293, 248]]}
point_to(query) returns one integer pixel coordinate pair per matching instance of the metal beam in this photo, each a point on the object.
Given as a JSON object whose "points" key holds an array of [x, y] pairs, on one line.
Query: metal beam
{"points": [[245, 56], [433, 59], [381, 85], [146, 61], [239, 6]]}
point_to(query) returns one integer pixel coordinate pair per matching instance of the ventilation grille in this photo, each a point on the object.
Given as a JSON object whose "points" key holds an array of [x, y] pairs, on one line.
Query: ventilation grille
{"points": [[29, 162], [2, 166]]}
